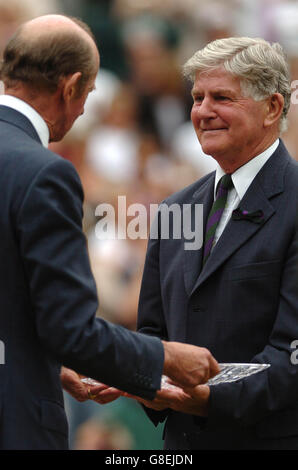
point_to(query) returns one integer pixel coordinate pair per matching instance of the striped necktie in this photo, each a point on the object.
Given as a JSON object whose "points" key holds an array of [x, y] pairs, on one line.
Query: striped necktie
{"points": [[216, 212]]}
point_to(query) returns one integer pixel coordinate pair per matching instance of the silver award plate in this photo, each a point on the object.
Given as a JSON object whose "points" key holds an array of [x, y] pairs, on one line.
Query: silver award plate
{"points": [[233, 372], [229, 372]]}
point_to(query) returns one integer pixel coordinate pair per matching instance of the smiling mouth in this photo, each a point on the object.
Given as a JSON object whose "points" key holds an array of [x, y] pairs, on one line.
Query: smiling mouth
{"points": [[214, 130]]}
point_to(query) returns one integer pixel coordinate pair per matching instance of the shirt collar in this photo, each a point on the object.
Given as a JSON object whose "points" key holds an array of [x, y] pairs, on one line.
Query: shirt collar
{"points": [[36, 120], [244, 176]]}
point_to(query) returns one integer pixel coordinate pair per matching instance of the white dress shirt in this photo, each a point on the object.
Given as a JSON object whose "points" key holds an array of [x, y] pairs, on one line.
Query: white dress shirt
{"points": [[36, 120], [242, 179]]}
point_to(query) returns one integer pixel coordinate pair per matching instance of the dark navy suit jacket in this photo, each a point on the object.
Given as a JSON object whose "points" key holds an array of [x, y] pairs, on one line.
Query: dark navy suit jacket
{"points": [[242, 306], [48, 297]]}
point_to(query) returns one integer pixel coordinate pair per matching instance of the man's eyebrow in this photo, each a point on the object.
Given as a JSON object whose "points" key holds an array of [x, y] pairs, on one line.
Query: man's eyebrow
{"points": [[216, 91]]}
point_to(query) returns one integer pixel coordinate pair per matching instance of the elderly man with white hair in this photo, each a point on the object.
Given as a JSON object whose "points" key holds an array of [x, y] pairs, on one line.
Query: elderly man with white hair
{"points": [[238, 294]]}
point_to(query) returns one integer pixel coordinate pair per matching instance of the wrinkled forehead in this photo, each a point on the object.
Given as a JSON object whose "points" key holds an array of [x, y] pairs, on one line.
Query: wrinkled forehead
{"points": [[216, 80]]}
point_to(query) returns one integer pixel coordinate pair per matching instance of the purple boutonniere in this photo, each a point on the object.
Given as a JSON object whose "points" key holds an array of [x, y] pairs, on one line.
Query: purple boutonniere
{"points": [[256, 217]]}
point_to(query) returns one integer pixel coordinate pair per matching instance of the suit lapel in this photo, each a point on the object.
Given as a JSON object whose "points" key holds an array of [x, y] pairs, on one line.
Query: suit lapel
{"points": [[237, 232], [193, 258], [268, 183], [19, 120]]}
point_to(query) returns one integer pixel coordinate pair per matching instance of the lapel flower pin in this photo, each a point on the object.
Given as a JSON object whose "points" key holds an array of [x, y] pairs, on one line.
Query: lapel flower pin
{"points": [[256, 217]]}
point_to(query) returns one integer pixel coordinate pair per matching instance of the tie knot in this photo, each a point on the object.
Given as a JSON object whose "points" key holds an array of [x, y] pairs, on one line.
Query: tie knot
{"points": [[225, 183]]}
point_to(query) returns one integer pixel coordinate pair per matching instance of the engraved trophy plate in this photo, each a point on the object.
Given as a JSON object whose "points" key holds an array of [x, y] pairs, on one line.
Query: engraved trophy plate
{"points": [[234, 372], [229, 372]]}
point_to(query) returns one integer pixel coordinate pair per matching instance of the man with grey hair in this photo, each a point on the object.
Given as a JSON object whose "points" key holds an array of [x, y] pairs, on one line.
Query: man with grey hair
{"points": [[238, 294], [48, 294]]}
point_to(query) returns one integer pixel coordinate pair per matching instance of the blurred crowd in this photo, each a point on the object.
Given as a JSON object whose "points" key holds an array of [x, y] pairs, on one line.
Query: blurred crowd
{"points": [[136, 140]]}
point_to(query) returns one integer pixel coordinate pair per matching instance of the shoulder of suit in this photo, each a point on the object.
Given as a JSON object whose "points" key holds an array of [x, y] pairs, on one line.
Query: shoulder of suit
{"points": [[19, 146], [27, 161], [186, 194], [291, 169], [49, 165]]}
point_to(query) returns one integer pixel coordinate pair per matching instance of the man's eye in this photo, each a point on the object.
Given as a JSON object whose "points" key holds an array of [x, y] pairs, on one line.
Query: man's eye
{"points": [[221, 98], [198, 99]]}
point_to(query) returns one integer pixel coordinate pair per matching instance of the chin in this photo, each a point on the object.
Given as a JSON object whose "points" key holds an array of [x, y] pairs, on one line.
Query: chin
{"points": [[57, 137], [59, 134], [212, 147]]}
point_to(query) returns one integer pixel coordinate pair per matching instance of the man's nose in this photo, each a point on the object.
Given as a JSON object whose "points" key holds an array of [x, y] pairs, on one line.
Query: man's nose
{"points": [[205, 110]]}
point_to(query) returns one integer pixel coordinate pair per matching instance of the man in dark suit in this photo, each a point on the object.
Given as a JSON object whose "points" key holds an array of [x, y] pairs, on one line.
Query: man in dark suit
{"points": [[238, 294], [48, 295]]}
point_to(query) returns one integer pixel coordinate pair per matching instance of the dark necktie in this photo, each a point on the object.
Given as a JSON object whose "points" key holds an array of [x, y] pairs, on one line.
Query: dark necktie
{"points": [[216, 212]]}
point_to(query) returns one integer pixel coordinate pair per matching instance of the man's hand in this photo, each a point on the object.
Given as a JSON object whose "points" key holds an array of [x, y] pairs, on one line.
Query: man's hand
{"points": [[100, 393], [71, 382], [188, 365], [177, 399], [107, 395]]}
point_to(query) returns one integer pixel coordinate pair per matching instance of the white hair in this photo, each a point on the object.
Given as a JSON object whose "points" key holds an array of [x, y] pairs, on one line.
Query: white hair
{"points": [[262, 67]]}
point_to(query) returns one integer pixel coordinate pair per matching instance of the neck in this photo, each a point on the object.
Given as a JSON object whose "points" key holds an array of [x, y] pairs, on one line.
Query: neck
{"points": [[44, 104], [231, 163]]}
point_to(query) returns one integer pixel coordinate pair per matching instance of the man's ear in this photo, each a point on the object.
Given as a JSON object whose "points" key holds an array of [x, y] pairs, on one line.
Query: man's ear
{"points": [[274, 110], [70, 86]]}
